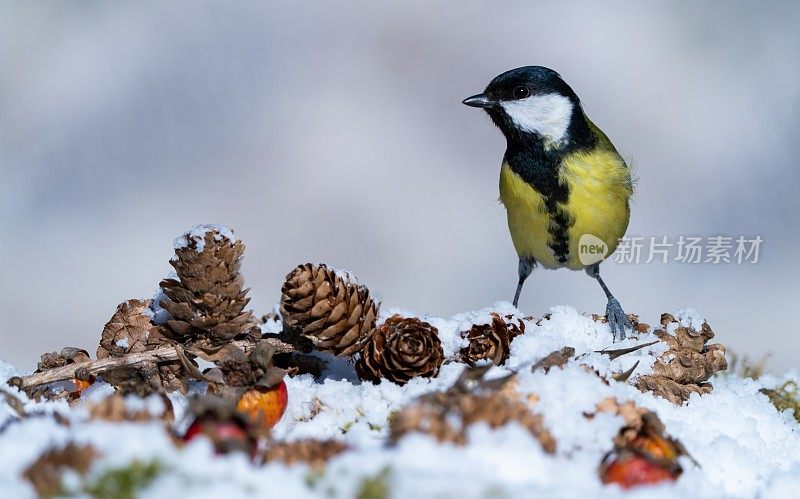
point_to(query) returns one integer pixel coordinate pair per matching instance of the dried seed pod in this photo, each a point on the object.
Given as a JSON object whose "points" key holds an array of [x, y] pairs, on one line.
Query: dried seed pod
{"points": [[206, 300], [327, 308], [400, 349], [487, 342], [687, 365]]}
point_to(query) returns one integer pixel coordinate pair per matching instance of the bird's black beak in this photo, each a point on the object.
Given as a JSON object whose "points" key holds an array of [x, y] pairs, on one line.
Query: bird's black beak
{"points": [[480, 100]]}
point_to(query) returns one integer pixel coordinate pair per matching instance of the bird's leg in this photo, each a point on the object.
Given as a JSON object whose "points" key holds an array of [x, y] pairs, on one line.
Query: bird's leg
{"points": [[526, 266], [617, 319]]}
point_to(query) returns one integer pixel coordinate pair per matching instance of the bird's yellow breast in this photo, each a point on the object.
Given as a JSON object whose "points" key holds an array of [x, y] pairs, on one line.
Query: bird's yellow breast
{"points": [[599, 186]]}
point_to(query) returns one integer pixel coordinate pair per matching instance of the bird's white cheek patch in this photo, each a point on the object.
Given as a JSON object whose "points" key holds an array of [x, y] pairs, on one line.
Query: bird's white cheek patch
{"points": [[547, 115]]}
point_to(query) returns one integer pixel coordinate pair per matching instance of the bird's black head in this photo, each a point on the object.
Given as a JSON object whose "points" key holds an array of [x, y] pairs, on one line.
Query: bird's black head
{"points": [[533, 103]]}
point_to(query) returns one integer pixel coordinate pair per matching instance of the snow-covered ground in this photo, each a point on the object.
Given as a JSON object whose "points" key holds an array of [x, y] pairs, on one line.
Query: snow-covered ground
{"points": [[743, 445]]}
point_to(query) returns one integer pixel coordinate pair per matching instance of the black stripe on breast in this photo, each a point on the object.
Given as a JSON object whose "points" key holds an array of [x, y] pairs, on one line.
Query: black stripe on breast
{"points": [[540, 170], [540, 167]]}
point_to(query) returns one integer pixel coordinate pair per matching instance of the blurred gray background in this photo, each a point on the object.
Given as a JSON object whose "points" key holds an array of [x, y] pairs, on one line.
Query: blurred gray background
{"points": [[333, 131]]}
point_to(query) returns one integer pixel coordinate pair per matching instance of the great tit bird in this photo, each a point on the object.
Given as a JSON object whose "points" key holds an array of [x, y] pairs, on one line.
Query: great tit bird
{"points": [[565, 187]]}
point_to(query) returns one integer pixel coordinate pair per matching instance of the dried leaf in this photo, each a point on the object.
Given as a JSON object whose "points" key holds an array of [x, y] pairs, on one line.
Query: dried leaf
{"points": [[45, 473], [558, 358]]}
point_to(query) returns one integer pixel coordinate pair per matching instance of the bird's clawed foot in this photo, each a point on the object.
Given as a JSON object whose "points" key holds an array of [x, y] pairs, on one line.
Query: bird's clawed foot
{"points": [[617, 320]]}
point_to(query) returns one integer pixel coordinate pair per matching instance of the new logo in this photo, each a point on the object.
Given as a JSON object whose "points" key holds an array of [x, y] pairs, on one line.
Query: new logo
{"points": [[591, 249]]}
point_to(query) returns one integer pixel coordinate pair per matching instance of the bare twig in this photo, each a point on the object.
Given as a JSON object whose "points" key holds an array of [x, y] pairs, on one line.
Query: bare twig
{"points": [[158, 355]]}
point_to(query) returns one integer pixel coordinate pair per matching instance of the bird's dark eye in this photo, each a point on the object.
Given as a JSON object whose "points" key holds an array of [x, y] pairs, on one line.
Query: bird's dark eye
{"points": [[521, 92]]}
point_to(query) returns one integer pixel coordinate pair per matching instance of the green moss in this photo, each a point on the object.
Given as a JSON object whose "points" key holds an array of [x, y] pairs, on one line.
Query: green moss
{"points": [[125, 482], [313, 478], [375, 486], [785, 397], [746, 368]]}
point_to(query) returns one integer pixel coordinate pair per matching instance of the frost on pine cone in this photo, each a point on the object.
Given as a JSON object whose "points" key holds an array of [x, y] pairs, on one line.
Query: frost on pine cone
{"points": [[687, 365], [400, 349], [328, 309], [206, 300], [487, 342]]}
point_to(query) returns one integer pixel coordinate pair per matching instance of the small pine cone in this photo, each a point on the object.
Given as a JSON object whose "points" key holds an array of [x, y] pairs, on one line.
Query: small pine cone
{"points": [[334, 313], [487, 342], [516, 326], [401, 349], [206, 301], [130, 330], [127, 331], [687, 365]]}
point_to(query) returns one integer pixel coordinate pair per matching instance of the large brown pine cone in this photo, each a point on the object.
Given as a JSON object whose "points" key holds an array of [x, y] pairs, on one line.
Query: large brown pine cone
{"points": [[206, 300], [487, 342], [401, 349], [687, 365], [327, 308]]}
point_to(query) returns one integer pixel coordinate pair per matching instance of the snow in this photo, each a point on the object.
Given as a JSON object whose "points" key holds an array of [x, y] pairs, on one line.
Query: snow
{"points": [[196, 236], [744, 446], [158, 314]]}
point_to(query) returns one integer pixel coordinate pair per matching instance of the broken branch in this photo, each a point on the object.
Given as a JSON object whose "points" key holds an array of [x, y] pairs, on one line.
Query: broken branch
{"points": [[159, 355]]}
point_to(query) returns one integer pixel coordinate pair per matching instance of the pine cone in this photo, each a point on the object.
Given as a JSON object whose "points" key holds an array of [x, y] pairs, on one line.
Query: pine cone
{"points": [[130, 330], [447, 415], [687, 365], [401, 349], [327, 308], [487, 342], [206, 301], [127, 331], [314, 452]]}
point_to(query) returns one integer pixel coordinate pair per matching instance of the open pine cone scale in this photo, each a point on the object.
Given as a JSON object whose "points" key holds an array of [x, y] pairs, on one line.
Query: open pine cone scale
{"points": [[333, 313]]}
